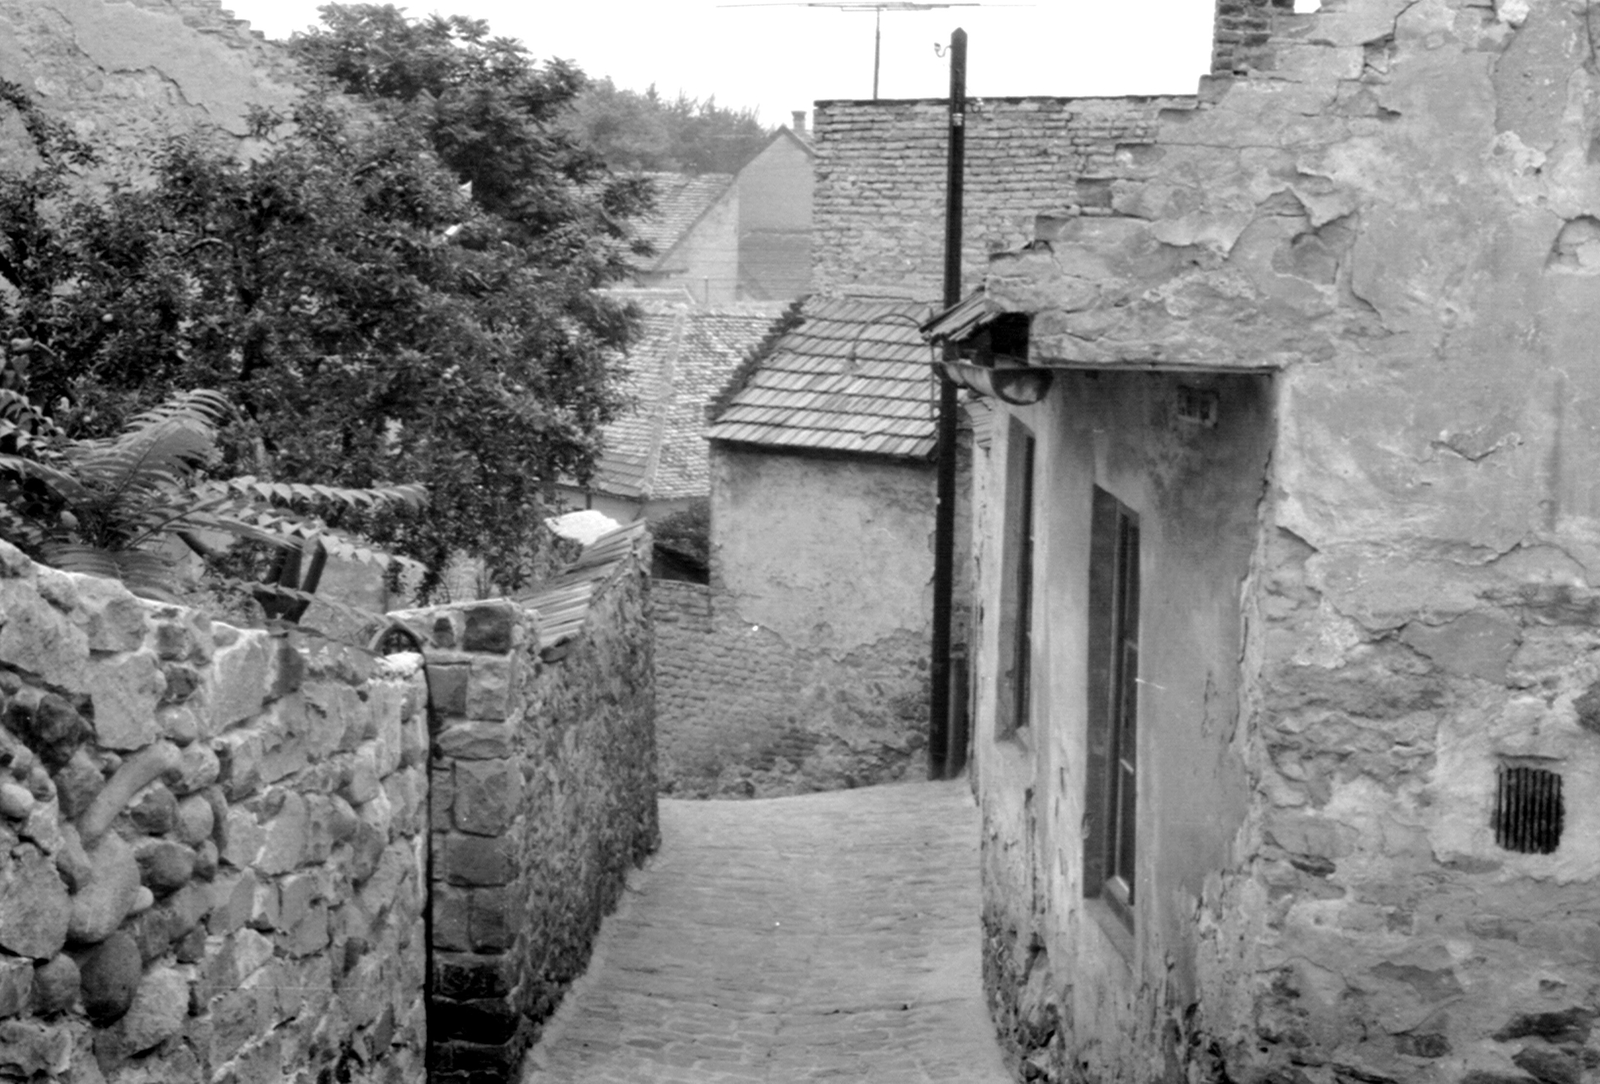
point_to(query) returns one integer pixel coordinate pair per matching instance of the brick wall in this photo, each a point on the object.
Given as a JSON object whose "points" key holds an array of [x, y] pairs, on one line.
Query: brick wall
{"points": [[1242, 40], [880, 191], [210, 845], [745, 712]]}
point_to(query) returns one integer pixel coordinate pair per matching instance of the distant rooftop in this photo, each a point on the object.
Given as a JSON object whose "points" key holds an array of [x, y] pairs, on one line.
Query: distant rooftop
{"points": [[683, 357], [681, 201], [852, 377]]}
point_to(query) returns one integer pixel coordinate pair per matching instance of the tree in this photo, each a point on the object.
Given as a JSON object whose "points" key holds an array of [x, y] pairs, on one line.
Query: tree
{"points": [[376, 320], [634, 131]]}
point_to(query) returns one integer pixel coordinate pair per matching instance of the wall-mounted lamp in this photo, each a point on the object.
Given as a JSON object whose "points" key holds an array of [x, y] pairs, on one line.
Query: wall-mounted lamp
{"points": [[990, 350]]}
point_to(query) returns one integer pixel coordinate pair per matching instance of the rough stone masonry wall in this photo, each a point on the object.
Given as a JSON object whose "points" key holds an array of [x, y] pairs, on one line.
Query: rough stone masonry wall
{"points": [[879, 201], [1402, 216], [544, 797], [210, 846], [746, 713], [127, 75]]}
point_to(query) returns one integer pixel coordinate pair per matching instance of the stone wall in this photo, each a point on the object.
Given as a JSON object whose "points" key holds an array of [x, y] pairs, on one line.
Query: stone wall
{"points": [[210, 845], [127, 75], [543, 798], [745, 712], [880, 180]]}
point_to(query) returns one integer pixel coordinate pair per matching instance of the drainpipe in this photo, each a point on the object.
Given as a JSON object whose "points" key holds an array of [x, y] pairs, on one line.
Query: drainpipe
{"points": [[944, 522]]}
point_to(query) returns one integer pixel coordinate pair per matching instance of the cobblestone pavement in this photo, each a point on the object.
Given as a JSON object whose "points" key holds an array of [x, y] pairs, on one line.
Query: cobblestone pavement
{"points": [[828, 937]]}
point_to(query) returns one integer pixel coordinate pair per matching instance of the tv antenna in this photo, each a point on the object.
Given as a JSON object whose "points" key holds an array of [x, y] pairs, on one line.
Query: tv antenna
{"points": [[877, 7]]}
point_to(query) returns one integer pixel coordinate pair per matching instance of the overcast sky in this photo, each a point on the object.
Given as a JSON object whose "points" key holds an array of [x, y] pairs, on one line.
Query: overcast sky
{"points": [[782, 57]]}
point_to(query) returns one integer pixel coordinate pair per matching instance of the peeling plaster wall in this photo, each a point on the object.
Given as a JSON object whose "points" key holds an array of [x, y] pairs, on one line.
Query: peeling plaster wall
{"points": [[1396, 210], [126, 75]]}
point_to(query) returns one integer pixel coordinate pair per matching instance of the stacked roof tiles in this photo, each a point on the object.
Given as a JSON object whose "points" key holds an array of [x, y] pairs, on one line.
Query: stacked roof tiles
{"points": [[854, 376], [684, 355]]}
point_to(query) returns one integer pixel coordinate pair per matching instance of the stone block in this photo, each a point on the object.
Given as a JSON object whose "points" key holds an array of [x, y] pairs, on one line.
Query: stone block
{"points": [[309, 933], [16, 986], [55, 985], [491, 918], [490, 689], [109, 976], [362, 785], [284, 846], [239, 757], [40, 639], [447, 686], [451, 931], [194, 820], [464, 976], [114, 619], [243, 838], [125, 690], [477, 860], [232, 900], [488, 796], [34, 1051], [157, 1012], [110, 895], [475, 740], [487, 1021], [240, 677], [164, 865], [154, 810], [198, 769], [34, 906], [491, 627], [238, 1016]]}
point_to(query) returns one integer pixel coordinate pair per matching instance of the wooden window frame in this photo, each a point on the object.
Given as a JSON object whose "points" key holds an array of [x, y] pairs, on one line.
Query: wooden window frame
{"points": [[1111, 813], [1017, 581]]}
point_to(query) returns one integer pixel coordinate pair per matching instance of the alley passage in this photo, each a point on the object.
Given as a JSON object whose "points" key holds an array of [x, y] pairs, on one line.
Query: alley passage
{"points": [[828, 937]]}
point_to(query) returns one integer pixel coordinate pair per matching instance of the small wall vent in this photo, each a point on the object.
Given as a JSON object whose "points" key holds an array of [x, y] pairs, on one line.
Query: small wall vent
{"points": [[1528, 811]]}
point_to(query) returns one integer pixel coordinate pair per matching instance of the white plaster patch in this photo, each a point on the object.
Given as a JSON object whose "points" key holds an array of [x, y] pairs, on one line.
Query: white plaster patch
{"points": [[1511, 12]]}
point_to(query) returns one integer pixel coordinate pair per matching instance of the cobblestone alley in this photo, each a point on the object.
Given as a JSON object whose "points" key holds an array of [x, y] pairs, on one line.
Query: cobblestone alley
{"points": [[826, 937]]}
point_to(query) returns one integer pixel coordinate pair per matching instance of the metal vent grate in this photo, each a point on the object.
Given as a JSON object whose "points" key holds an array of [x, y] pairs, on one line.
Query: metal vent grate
{"points": [[1528, 811]]}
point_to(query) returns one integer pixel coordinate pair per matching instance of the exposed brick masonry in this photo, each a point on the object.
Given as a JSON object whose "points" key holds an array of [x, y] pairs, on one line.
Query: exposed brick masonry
{"points": [[880, 192]]}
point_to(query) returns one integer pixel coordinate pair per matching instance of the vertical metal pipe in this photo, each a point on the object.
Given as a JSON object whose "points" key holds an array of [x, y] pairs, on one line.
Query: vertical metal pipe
{"points": [[944, 523]]}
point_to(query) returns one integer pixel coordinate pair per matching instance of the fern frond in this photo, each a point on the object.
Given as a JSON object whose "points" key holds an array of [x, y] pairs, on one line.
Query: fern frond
{"points": [[143, 572]]}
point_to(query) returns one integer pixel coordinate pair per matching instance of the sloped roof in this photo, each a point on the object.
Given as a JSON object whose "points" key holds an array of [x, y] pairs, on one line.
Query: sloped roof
{"points": [[681, 201], [563, 602], [682, 358], [852, 377]]}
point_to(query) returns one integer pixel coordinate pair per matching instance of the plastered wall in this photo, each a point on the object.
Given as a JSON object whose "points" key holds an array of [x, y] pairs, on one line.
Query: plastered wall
{"points": [[126, 75], [1389, 209]]}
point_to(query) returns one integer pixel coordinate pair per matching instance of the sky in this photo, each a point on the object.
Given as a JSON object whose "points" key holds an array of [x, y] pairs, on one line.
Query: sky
{"points": [[778, 58]]}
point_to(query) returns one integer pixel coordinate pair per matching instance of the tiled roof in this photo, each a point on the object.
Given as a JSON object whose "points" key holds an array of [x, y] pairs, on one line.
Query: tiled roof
{"points": [[681, 200], [681, 360], [563, 602], [852, 377]]}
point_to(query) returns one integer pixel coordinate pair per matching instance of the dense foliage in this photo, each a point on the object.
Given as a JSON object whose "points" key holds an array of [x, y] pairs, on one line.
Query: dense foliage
{"points": [[645, 131], [407, 294]]}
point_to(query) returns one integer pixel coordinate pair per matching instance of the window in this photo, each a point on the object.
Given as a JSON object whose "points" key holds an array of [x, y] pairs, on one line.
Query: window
{"points": [[1016, 599], [1113, 767]]}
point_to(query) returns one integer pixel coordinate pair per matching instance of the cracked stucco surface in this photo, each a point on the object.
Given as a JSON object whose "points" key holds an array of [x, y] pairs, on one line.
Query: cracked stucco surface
{"points": [[1396, 212], [126, 75]]}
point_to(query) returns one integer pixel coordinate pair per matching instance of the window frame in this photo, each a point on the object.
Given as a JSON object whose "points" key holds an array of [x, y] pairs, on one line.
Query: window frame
{"points": [[1018, 575], [1112, 728]]}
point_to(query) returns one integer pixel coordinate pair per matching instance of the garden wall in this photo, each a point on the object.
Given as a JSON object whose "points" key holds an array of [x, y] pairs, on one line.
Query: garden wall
{"points": [[212, 862], [210, 856], [544, 797]]}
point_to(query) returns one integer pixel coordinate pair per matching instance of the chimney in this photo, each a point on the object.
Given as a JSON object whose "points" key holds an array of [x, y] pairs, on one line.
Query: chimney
{"points": [[799, 126]]}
